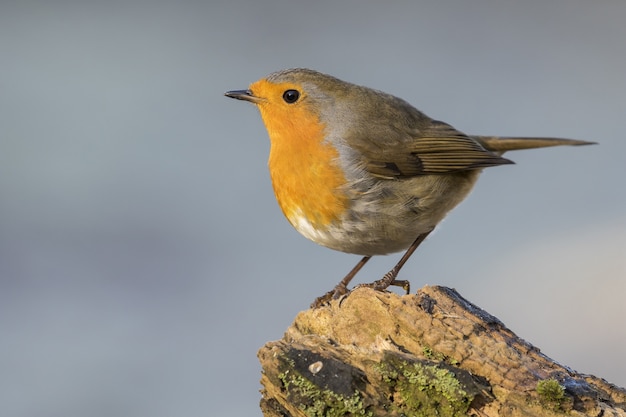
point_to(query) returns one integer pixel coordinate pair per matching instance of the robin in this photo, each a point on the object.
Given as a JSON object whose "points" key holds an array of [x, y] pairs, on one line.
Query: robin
{"points": [[364, 172]]}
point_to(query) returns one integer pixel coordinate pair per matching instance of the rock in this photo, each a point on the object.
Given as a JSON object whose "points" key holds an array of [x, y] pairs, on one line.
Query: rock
{"points": [[427, 354]]}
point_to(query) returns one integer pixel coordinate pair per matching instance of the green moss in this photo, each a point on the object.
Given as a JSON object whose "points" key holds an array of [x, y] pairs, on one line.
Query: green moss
{"points": [[551, 394], [430, 353], [317, 402], [420, 389]]}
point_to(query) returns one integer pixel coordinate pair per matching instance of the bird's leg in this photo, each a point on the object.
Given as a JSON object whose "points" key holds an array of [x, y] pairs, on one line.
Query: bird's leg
{"points": [[341, 288], [390, 277]]}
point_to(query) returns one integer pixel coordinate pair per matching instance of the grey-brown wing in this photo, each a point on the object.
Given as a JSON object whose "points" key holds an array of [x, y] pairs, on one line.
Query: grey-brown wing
{"points": [[436, 148]]}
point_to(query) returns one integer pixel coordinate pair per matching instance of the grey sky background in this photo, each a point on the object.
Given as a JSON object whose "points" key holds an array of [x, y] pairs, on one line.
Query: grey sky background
{"points": [[143, 258]]}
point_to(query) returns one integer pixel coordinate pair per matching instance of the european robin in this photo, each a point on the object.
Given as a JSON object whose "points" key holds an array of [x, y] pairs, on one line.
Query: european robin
{"points": [[361, 171]]}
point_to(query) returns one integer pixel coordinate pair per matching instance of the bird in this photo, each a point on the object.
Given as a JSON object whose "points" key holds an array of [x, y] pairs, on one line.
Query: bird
{"points": [[364, 172]]}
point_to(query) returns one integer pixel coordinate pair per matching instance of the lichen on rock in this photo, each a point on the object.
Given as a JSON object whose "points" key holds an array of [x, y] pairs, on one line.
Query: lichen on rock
{"points": [[428, 354]]}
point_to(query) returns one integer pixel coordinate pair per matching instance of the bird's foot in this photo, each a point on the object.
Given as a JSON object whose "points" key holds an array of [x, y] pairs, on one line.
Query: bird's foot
{"points": [[387, 280], [334, 294]]}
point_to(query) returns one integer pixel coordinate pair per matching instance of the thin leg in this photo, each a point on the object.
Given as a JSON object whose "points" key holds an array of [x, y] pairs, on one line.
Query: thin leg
{"points": [[341, 288], [390, 277]]}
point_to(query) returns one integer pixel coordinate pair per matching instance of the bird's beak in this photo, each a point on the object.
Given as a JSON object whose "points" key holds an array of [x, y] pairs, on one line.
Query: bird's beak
{"points": [[245, 95]]}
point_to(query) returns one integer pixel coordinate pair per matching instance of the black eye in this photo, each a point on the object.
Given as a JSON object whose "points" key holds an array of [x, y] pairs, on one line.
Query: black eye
{"points": [[291, 96]]}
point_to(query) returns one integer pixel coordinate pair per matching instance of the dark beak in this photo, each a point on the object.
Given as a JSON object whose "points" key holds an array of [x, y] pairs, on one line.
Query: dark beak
{"points": [[245, 95]]}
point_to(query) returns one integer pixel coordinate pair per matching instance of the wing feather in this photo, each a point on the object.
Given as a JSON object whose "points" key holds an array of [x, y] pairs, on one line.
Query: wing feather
{"points": [[436, 149]]}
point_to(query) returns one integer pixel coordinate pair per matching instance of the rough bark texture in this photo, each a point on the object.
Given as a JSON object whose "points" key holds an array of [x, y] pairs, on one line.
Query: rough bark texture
{"points": [[427, 354]]}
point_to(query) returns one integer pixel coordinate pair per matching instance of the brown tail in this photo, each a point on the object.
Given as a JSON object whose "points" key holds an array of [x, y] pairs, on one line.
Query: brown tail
{"points": [[502, 144]]}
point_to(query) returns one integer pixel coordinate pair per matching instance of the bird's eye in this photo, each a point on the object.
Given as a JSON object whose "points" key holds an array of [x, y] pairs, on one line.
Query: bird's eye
{"points": [[291, 96]]}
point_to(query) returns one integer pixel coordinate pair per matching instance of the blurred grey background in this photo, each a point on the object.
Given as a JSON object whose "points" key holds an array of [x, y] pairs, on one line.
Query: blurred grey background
{"points": [[143, 258]]}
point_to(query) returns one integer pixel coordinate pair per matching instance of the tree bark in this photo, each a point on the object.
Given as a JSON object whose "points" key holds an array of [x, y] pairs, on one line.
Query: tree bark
{"points": [[427, 354]]}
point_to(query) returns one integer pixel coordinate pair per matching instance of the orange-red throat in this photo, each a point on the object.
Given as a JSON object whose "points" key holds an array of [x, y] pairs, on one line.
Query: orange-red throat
{"points": [[304, 166]]}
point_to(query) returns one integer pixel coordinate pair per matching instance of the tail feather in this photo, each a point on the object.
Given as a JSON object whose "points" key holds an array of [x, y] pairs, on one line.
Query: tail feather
{"points": [[502, 144]]}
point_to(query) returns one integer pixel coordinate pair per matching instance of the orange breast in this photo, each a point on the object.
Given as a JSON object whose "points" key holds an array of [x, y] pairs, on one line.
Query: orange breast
{"points": [[304, 168]]}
